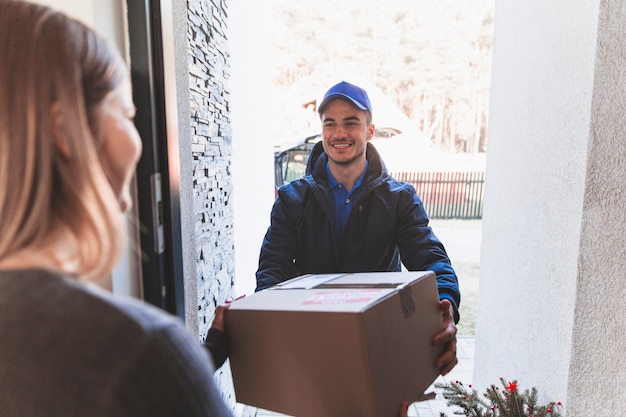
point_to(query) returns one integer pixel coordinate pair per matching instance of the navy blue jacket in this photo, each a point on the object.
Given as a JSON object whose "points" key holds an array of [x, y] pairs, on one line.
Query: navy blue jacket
{"points": [[387, 225]]}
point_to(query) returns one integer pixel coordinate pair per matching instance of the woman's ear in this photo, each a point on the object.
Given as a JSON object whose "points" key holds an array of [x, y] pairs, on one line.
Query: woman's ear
{"points": [[58, 133]]}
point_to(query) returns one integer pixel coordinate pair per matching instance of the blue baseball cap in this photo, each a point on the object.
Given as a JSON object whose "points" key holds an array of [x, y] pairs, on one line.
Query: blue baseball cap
{"points": [[355, 94]]}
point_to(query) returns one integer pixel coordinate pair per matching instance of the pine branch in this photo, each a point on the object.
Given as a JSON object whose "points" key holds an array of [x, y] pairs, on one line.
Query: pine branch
{"points": [[507, 401]]}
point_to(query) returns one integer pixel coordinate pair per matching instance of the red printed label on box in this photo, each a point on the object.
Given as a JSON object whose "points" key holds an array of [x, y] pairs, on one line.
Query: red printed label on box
{"points": [[342, 297]]}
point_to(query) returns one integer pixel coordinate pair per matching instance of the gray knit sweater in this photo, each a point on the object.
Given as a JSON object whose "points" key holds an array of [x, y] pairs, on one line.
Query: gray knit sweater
{"points": [[68, 350]]}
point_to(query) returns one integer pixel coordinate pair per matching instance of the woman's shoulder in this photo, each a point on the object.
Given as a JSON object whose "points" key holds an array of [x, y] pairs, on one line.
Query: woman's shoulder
{"points": [[72, 333], [50, 299]]}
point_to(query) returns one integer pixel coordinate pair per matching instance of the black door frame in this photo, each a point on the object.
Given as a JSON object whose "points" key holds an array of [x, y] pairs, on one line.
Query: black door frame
{"points": [[158, 179]]}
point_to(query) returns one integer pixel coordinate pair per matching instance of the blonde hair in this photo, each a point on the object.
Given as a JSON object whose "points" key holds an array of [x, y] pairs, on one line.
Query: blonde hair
{"points": [[52, 61]]}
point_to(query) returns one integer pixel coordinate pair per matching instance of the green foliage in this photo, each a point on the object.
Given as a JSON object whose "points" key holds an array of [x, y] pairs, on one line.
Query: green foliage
{"points": [[507, 401]]}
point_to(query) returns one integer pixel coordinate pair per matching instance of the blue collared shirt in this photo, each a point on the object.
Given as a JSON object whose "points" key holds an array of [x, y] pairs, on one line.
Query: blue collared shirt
{"points": [[343, 199]]}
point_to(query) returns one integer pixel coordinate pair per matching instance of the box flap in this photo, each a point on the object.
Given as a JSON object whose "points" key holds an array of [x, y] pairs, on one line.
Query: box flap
{"points": [[353, 280], [313, 300], [305, 281]]}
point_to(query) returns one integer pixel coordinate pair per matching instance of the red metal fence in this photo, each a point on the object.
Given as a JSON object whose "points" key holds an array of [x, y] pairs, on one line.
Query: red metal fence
{"points": [[448, 195]]}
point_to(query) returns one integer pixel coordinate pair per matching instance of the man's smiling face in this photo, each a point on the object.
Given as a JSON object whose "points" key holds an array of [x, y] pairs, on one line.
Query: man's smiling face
{"points": [[345, 131]]}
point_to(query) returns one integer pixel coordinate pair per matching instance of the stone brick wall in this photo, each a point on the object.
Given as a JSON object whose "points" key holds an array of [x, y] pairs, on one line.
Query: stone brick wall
{"points": [[211, 150]]}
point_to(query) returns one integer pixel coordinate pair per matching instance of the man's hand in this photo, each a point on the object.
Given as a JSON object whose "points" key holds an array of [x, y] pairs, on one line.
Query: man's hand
{"points": [[218, 320], [447, 338], [404, 410]]}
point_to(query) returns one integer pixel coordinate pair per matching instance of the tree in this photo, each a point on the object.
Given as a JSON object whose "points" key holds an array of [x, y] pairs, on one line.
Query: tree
{"points": [[433, 59]]}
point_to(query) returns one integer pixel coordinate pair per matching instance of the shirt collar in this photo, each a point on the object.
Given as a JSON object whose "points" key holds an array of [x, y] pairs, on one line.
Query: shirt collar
{"points": [[332, 182]]}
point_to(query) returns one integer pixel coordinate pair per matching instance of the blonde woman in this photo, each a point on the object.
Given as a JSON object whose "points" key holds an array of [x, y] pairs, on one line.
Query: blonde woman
{"points": [[68, 150]]}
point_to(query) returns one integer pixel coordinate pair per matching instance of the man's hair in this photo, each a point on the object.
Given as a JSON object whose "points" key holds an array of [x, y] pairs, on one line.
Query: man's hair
{"points": [[52, 61]]}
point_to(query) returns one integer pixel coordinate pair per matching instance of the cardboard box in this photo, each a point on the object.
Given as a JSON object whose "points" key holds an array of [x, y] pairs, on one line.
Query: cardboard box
{"points": [[336, 344]]}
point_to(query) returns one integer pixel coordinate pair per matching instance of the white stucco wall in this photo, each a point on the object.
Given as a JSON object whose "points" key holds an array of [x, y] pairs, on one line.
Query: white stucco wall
{"points": [[598, 370], [541, 255], [252, 121]]}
